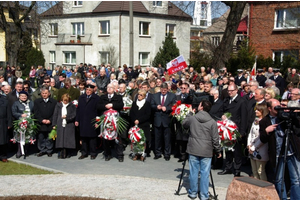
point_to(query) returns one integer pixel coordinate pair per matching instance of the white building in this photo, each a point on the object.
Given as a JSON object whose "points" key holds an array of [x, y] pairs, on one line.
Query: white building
{"points": [[103, 28]]}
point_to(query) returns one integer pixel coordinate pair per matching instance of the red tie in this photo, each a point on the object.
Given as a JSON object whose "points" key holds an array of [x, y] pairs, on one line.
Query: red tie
{"points": [[163, 101], [251, 95]]}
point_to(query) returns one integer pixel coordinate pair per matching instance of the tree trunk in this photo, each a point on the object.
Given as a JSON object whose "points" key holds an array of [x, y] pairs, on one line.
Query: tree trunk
{"points": [[223, 51]]}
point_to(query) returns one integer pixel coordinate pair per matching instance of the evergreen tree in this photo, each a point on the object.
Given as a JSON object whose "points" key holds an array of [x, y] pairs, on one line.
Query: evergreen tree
{"points": [[35, 58], [24, 50], [166, 53]]}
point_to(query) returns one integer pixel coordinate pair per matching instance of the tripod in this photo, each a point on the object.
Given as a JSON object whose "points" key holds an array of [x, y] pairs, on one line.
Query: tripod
{"points": [[215, 196]]}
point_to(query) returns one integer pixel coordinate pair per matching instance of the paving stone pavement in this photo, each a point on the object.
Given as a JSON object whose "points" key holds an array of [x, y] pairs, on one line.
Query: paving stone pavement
{"points": [[130, 180]]}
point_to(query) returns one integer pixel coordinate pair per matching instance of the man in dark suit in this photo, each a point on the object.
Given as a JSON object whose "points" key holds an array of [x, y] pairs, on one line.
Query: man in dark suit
{"points": [[113, 101], [14, 95], [60, 83], [237, 106], [239, 78], [161, 105], [182, 134], [43, 111], [86, 112], [272, 131], [279, 81], [260, 78]]}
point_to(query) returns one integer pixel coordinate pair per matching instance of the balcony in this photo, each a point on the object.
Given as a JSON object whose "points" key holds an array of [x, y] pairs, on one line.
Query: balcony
{"points": [[68, 39]]}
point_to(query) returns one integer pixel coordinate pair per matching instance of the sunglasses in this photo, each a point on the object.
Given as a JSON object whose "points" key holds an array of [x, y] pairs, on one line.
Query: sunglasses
{"points": [[46, 81]]}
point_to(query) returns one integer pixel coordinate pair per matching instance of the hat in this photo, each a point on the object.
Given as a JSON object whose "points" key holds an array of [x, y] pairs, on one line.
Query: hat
{"points": [[90, 86], [275, 70], [19, 80], [23, 92], [240, 71], [260, 70], [4, 83]]}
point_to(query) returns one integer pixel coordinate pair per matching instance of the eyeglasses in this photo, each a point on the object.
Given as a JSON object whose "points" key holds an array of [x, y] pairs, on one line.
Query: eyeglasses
{"points": [[182, 88], [231, 90], [140, 95], [46, 81]]}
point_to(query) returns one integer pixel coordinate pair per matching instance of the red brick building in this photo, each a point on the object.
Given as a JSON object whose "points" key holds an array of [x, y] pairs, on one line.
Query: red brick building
{"points": [[274, 28]]}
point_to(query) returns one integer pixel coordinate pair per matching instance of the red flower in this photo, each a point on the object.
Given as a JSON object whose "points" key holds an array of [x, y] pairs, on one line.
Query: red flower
{"points": [[178, 102]]}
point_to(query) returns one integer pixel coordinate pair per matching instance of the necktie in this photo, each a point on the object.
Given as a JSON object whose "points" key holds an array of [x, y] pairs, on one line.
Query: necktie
{"points": [[230, 100], [163, 100], [251, 95], [109, 97]]}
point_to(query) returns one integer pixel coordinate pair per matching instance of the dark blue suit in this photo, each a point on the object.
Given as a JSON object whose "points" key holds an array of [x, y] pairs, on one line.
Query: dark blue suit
{"points": [[162, 121]]}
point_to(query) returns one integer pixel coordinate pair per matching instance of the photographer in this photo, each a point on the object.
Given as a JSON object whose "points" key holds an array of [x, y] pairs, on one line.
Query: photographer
{"points": [[203, 139], [273, 131]]}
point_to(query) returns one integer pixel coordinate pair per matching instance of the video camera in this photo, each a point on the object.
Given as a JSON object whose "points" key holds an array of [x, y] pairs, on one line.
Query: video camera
{"points": [[287, 113]]}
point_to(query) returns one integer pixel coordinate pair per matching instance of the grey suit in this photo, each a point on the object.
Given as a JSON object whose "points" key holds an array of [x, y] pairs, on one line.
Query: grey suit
{"points": [[162, 122]]}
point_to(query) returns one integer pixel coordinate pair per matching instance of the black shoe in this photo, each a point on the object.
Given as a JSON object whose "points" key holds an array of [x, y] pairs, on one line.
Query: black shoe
{"points": [[237, 174], [40, 154], [18, 156], [167, 158], [107, 158], [69, 156], [49, 154], [191, 197], [82, 157], [148, 155], [93, 157], [224, 172], [121, 159], [156, 157]]}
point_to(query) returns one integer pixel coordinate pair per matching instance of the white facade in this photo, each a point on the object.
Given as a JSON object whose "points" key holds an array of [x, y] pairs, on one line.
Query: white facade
{"points": [[106, 35]]}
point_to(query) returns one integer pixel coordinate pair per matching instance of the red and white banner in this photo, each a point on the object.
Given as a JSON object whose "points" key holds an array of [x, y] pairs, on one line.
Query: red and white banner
{"points": [[176, 65], [253, 72]]}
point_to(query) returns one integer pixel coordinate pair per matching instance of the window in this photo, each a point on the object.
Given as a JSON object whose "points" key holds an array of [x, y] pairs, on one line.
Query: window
{"points": [[216, 41], [144, 58], [157, 3], [77, 3], [78, 28], [104, 57], [70, 57], [170, 29], [52, 57], [278, 55], [144, 28], [287, 18], [104, 27], [54, 29]]}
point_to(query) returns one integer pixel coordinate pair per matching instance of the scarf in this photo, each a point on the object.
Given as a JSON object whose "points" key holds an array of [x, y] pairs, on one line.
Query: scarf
{"points": [[26, 105], [140, 103], [64, 112]]}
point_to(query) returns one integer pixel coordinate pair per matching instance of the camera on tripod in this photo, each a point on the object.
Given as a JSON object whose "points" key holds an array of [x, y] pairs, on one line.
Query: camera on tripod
{"points": [[287, 113]]}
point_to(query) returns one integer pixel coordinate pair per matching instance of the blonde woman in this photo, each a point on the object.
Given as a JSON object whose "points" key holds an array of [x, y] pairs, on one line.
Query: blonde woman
{"points": [[270, 94]]}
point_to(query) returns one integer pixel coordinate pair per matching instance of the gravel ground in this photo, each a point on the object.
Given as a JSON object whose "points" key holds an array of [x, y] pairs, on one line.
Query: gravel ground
{"points": [[93, 186]]}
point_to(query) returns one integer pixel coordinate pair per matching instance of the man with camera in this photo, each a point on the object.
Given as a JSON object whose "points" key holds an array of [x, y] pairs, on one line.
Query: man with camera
{"points": [[203, 139], [272, 130]]}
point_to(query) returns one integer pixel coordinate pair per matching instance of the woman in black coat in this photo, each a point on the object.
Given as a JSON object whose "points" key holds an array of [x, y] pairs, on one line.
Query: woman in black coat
{"points": [[140, 115], [64, 122], [22, 108]]}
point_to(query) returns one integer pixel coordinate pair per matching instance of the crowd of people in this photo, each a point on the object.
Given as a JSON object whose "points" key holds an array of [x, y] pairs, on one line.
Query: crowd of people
{"points": [[50, 94]]}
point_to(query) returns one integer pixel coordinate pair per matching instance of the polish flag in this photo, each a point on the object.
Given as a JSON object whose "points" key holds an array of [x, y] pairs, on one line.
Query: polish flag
{"points": [[176, 65], [253, 72]]}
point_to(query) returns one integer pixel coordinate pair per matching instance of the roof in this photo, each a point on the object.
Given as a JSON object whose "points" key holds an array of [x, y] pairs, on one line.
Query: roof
{"points": [[114, 6], [243, 25], [220, 24], [57, 9], [119, 6]]}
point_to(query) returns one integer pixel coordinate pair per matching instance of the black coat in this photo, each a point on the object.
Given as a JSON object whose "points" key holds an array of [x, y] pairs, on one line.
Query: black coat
{"points": [[280, 83], [116, 101], [65, 135], [143, 116], [238, 110], [216, 110], [5, 119], [43, 111], [238, 80], [261, 79], [12, 97], [18, 109], [86, 112]]}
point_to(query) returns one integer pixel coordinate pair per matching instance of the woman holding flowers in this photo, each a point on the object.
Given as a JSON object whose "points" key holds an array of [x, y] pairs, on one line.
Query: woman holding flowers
{"points": [[22, 108], [140, 116], [260, 157], [63, 121]]}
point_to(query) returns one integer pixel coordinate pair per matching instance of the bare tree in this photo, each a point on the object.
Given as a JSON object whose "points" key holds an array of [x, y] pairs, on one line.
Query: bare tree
{"points": [[223, 51], [12, 25]]}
